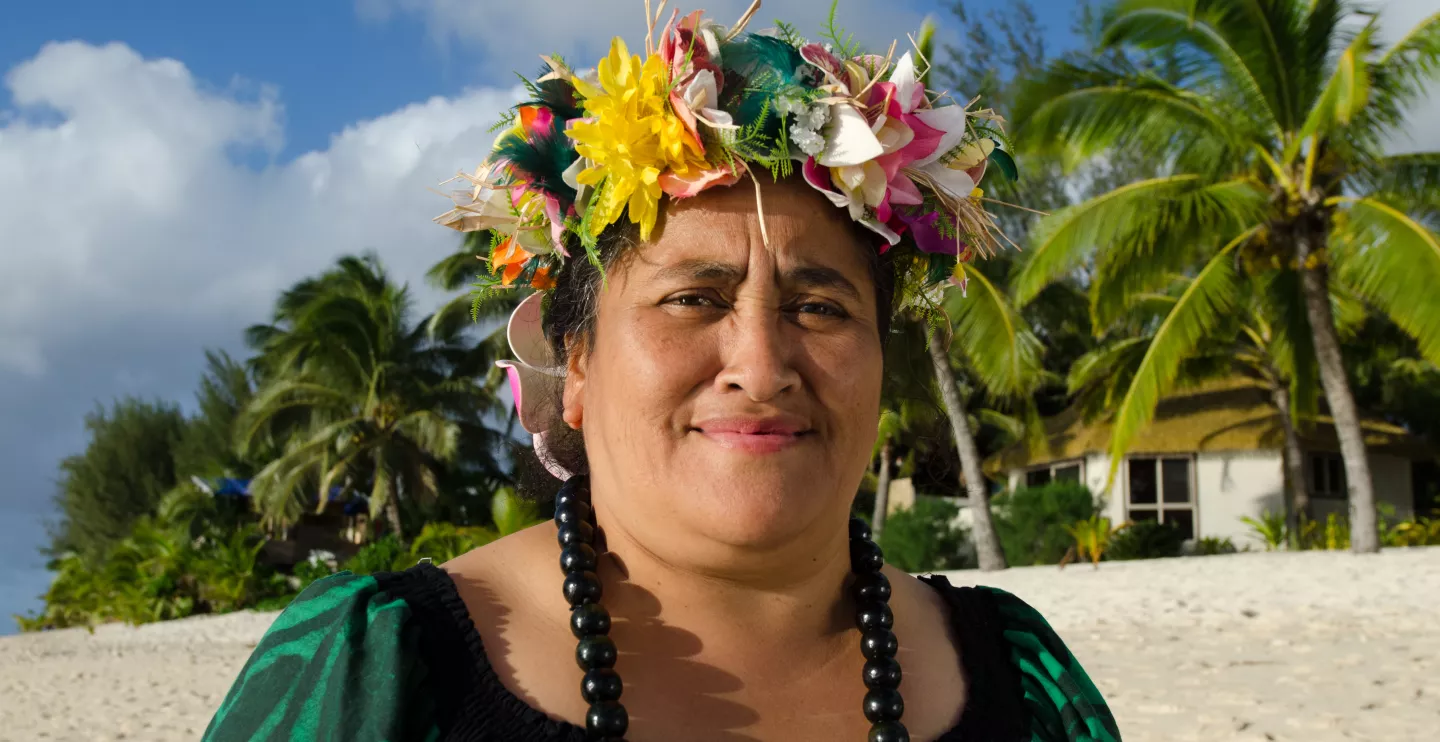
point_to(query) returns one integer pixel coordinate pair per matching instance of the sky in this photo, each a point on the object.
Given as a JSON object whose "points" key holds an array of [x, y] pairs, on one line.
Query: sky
{"points": [[166, 168]]}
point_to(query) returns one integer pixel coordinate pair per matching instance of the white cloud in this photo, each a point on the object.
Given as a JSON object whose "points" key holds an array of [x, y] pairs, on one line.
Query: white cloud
{"points": [[512, 34], [124, 207]]}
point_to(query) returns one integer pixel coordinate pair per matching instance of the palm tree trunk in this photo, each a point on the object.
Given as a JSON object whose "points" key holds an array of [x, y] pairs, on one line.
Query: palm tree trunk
{"points": [[987, 542], [392, 515], [1314, 282], [882, 492], [1297, 500]]}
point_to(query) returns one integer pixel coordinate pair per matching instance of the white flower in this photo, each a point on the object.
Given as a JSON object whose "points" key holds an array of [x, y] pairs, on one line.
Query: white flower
{"points": [[808, 140]]}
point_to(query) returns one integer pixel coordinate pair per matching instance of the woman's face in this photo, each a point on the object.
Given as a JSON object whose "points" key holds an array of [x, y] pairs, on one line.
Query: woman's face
{"points": [[732, 392]]}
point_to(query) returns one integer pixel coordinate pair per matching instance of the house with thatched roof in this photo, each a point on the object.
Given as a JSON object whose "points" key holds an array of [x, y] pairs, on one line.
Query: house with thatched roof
{"points": [[1213, 455]]}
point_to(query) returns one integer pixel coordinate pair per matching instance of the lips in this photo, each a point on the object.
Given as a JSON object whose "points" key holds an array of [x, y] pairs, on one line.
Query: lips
{"points": [[754, 435]]}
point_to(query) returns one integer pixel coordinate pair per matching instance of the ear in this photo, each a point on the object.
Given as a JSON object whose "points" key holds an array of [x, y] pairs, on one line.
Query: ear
{"points": [[574, 395]]}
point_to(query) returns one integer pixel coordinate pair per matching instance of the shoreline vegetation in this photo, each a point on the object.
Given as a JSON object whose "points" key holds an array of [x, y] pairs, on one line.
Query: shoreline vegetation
{"points": [[1209, 202]]}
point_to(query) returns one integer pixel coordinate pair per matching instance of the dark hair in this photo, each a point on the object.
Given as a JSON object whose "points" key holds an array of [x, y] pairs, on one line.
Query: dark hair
{"points": [[570, 316]]}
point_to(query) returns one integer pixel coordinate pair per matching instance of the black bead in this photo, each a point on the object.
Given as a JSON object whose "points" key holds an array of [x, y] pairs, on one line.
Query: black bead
{"points": [[882, 673], [578, 558], [572, 512], [884, 705], [595, 652], [872, 587], [865, 557], [590, 619], [889, 731], [874, 616], [582, 588], [878, 644], [576, 487], [575, 533], [607, 719], [601, 684], [859, 529]]}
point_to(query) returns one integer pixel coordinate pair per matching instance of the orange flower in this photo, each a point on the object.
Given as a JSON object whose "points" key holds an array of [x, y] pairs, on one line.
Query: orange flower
{"points": [[542, 279], [510, 256]]}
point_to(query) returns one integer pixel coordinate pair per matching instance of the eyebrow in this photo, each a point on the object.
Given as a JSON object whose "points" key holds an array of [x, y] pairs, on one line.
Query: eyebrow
{"points": [[806, 276]]}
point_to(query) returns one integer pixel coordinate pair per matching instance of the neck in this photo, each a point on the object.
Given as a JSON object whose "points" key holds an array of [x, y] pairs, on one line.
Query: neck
{"points": [[771, 614]]}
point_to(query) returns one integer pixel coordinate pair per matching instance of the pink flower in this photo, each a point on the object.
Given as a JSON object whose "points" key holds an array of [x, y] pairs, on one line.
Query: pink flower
{"points": [[685, 185]]}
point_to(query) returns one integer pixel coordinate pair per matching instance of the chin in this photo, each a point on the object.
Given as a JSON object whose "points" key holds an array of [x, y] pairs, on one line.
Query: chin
{"points": [[758, 505]]}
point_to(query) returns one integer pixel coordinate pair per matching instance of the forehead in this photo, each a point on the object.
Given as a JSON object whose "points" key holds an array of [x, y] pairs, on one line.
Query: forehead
{"points": [[802, 229]]}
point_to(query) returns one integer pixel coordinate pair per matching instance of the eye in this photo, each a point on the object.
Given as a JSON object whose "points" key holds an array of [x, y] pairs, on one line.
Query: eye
{"points": [[693, 299], [823, 309]]}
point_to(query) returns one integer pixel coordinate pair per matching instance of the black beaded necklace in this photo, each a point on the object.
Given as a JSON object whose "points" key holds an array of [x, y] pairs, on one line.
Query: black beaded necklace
{"points": [[590, 622]]}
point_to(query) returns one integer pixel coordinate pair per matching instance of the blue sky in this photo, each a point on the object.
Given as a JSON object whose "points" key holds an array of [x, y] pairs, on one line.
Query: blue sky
{"points": [[167, 167]]}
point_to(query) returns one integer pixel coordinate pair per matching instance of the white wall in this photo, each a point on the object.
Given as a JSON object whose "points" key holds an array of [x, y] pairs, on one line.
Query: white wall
{"points": [[1097, 470], [1391, 475], [1232, 484]]}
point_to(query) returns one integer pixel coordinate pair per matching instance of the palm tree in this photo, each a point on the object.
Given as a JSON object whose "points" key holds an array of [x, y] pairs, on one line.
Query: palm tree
{"points": [[1146, 345], [1270, 125], [359, 395]]}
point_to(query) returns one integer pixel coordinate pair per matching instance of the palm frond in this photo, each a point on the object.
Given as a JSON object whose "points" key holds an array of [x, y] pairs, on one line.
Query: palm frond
{"points": [[1238, 35], [1083, 111], [1344, 97], [1414, 178], [1185, 231], [1135, 218], [1404, 73], [996, 341], [1393, 262], [1209, 298]]}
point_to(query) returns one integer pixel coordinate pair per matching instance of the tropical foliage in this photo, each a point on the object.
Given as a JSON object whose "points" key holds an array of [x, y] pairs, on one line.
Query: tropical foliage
{"points": [[1034, 522], [1271, 124], [926, 537]]}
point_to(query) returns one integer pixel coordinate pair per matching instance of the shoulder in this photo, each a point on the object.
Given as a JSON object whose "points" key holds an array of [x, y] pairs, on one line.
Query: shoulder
{"points": [[1063, 703], [342, 658]]}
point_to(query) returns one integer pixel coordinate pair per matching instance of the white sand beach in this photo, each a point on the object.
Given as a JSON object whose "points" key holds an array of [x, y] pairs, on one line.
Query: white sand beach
{"points": [[1310, 646]]}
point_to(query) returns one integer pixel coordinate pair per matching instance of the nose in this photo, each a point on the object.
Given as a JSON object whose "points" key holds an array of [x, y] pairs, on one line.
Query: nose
{"points": [[758, 359]]}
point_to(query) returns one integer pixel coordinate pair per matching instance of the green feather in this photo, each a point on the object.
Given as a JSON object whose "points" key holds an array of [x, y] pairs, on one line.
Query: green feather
{"points": [[556, 95], [542, 160], [757, 69]]}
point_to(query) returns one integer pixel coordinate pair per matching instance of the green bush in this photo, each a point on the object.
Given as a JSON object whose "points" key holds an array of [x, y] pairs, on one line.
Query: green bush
{"points": [[1146, 539], [156, 574], [380, 555], [923, 537], [1210, 546], [1031, 521]]}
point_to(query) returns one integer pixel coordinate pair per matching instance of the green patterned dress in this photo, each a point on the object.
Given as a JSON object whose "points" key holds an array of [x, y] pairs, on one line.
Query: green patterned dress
{"points": [[395, 657]]}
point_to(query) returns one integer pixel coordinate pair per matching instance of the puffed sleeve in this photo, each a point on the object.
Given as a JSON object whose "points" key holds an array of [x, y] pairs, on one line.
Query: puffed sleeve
{"points": [[340, 663], [1064, 705]]}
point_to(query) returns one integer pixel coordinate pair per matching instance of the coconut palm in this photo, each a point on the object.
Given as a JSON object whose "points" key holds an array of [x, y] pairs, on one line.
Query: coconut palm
{"points": [[1110, 380], [361, 397], [1270, 126]]}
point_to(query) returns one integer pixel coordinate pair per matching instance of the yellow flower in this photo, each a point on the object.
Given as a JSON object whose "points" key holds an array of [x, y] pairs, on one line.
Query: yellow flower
{"points": [[630, 136]]}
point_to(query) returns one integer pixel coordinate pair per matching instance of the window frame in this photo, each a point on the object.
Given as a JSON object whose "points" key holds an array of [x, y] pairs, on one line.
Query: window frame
{"points": [[1051, 468], [1160, 506], [1313, 488]]}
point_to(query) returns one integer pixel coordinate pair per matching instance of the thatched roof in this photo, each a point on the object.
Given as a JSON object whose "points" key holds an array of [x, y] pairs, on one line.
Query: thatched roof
{"points": [[1235, 415]]}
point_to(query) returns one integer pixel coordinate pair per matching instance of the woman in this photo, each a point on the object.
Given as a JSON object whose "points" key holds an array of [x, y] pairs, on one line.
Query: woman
{"points": [[706, 380]]}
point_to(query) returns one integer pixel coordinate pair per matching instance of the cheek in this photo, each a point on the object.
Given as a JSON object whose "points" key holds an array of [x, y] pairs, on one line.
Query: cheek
{"points": [[648, 369], [846, 375]]}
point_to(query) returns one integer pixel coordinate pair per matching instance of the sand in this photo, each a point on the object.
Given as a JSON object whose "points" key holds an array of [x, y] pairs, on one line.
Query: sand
{"points": [[1311, 646]]}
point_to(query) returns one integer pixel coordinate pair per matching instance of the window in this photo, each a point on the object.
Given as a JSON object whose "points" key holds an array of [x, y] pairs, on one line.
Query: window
{"points": [[1161, 489], [1062, 472], [1327, 477]]}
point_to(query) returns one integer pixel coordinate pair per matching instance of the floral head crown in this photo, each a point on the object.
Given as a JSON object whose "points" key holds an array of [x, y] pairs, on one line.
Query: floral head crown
{"points": [[706, 107]]}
